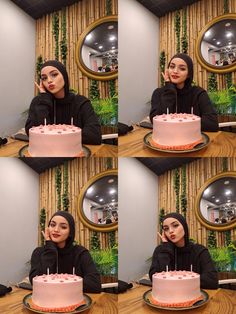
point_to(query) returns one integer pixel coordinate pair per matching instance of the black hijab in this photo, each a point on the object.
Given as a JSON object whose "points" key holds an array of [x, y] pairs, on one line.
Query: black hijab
{"points": [[189, 63], [60, 67], [71, 222], [183, 222]]}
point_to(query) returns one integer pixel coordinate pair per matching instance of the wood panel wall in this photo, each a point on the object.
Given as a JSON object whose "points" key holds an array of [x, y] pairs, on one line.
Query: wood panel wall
{"points": [[198, 15], [197, 173], [80, 170], [78, 17]]}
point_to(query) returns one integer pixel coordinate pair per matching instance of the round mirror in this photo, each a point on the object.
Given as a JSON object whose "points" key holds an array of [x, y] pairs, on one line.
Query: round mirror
{"points": [[97, 49], [216, 44], [98, 202], [216, 202]]}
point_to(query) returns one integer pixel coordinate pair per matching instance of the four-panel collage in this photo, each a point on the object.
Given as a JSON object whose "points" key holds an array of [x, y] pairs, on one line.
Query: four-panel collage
{"points": [[118, 156]]}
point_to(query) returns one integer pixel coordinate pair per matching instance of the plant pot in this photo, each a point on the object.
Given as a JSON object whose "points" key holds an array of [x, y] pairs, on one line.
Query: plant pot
{"points": [[108, 279]]}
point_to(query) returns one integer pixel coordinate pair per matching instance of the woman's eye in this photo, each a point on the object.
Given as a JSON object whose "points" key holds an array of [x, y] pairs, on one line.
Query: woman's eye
{"points": [[54, 74], [176, 226], [43, 78], [52, 225]]}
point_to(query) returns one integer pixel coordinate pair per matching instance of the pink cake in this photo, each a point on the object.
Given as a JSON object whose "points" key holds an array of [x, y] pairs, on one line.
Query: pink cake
{"points": [[176, 131], [57, 292], [176, 288], [55, 141]]}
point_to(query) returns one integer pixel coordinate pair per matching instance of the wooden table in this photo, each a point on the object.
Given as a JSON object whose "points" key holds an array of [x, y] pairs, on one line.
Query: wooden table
{"points": [[103, 303], [11, 149], [222, 144], [222, 301]]}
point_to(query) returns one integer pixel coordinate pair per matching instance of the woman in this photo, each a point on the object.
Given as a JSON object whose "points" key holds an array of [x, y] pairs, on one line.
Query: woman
{"points": [[178, 94], [58, 105], [178, 253], [60, 255]]}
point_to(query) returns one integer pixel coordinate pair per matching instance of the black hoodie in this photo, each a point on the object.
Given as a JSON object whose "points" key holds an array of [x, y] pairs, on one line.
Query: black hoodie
{"points": [[60, 111], [68, 257], [181, 258], [183, 100]]}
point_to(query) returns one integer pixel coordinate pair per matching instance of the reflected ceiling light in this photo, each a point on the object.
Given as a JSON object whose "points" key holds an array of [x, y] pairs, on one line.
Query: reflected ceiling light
{"points": [[213, 196], [90, 190], [217, 200], [207, 191], [100, 47], [228, 192], [101, 200], [112, 191], [228, 201], [110, 27], [218, 43], [227, 24], [214, 39], [88, 37], [229, 34], [226, 182], [112, 38], [208, 33], [110, 181]]}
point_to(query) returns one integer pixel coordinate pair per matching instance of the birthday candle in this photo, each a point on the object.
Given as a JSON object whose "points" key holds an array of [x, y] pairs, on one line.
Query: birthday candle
{"points": [[72, 122], [191, 268], [167, 110], [47, 271], [166, 268], [73, 270], [191, 110], [45, 121]]}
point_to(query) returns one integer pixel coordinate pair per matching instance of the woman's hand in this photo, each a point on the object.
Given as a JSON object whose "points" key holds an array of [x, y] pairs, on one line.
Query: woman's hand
{"points": [[163, 236], [40, 87], [166, 75], [46, 234]]}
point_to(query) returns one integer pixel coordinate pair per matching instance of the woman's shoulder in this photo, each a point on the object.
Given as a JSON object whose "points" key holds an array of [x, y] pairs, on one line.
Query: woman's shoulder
{"points": [[80, 99], [78, 249], [198, 248]]}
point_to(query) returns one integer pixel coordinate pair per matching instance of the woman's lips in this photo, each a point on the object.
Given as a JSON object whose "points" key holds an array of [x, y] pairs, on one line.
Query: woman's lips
{"points": [[172, 237], [175, 77], [51, 86], [56, 235]]}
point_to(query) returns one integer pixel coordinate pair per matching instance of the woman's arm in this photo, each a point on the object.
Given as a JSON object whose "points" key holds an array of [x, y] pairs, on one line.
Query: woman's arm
{"points": [[163, 256], [41, 107], [163, 98], [209, 120], [208, 274], [42, 259], [91, 277], [91, 129]]}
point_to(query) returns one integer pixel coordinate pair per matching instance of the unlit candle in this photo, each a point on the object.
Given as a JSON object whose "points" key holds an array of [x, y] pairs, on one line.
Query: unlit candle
{"points": [[191, 267], [191, 110], [167, 268], [73, 270], [72, 122], [167, 110], [45, 121], [48, 270]]}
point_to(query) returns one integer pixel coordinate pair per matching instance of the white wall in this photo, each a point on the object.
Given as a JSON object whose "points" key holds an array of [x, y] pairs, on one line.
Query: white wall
{"points": [[138, 60], [138, 205], [19, 195], [17, 64]]}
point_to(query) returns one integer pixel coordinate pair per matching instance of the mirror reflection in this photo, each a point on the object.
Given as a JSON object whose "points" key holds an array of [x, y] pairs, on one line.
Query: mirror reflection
{"points": [[218, 201], [218, 45], [99, 50], [100, 202]]}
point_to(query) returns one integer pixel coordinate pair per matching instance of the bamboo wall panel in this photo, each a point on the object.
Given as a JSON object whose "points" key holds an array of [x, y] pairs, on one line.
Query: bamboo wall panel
{"points": [[78, 17], [198, 15], [80, 170], [197, 173]]}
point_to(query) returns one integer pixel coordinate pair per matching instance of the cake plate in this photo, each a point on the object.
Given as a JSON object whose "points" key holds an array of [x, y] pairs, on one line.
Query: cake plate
{"points": [[27, 301], [147, 300], [24, 152], [148, 137]]}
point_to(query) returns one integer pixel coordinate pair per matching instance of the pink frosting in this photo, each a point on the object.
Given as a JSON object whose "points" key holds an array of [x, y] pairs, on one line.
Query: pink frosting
{"points": [[55, 141], [57, 291], [175, 287], [176, 131]]}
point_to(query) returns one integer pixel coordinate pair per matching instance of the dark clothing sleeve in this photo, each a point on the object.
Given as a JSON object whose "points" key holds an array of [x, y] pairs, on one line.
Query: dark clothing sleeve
{"points": [[207, 112], [208, 274], [163, 98], [91, 277], [163, 256], [41, 107], [91, 129], [43, 258]]}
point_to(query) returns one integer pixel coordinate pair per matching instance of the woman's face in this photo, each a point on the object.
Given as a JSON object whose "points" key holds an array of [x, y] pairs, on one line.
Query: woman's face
{"points": [[174, 231], [53, 80], [59, 230], [178, 71]]}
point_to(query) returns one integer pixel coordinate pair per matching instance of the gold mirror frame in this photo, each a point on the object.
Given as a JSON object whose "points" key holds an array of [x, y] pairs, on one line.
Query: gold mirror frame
{"points": [[201, 60], [83, 68], [202, 220], [96, 227]]}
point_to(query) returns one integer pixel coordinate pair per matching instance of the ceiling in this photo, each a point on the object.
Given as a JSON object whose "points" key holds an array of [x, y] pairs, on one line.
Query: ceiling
{"points": [[162, 7], [40, 164], [220, 192], [38, 8], [161, 165]]}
